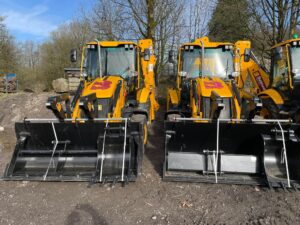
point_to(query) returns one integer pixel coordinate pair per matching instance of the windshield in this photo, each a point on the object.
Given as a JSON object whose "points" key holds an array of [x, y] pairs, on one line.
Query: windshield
{"points": [[119, 61], [191, 62], [218, 62], [295, 54]]}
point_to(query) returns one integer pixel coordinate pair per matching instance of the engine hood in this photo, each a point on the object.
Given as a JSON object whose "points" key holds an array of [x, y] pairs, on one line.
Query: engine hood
{"points": [[213, 84], [103, 87]]}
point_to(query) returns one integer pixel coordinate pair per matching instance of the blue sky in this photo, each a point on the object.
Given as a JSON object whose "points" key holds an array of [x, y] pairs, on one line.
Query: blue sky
{"points": [[35, 19]]}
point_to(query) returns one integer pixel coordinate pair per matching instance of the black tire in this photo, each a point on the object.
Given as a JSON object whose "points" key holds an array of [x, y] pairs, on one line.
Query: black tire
{"points": [[141, 118], [271, 108]]}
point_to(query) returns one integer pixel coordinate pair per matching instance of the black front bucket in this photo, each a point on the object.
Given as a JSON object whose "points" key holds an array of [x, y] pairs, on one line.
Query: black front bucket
{"points": [[66, 151], [243, 153]]}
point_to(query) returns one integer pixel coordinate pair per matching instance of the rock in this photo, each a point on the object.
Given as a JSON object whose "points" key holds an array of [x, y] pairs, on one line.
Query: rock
{"points": [[1, 129], [60, 85], [154, 217], [28, 90]]}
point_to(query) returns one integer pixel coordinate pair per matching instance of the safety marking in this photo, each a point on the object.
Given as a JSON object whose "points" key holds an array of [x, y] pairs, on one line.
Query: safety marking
{"points": [[102, 85], [213, 85]]}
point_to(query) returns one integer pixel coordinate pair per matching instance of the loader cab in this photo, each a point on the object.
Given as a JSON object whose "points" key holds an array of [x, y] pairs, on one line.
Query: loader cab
{"points": [[116, 60], [217, 61], [285, 67]]}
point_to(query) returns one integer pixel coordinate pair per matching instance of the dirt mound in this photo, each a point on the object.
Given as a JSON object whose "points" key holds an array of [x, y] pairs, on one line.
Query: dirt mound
{"points": [[15, 107]]}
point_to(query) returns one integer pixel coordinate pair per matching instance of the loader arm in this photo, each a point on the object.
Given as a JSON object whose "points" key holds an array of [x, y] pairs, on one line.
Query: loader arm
{"points": [[60, 106]]}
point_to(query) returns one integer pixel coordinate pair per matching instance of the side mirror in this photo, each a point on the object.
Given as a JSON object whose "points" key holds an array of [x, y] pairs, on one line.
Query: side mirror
{"points": [[247, 55], [171, 56], [73, 55], [147, 54]]}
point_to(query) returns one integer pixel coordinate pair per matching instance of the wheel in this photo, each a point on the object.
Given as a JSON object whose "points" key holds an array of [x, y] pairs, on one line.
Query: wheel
{"points": [[270, 109], [172, 117], [141, 118]]}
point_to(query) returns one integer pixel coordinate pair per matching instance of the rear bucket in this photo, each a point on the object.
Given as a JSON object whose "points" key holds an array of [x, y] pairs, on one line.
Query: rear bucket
{"points": [[69, 151], [232, 152]]}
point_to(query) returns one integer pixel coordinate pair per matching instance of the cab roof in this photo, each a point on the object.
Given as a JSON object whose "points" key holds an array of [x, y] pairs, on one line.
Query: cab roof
{"points": [[207, 43], [285, 42], [112, 43]]}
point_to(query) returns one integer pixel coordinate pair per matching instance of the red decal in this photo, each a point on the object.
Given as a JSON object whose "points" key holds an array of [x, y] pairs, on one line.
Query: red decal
{"points": [[213, 85], [260, 81], [103, 85]]}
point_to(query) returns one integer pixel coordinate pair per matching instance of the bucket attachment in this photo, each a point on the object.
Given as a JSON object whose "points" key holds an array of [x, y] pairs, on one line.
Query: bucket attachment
{"points": [[98, 151], [258, 153]]}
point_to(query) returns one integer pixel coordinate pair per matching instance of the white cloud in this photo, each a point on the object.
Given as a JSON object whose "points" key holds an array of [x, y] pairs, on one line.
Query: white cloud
{"points": [[29, 21]]}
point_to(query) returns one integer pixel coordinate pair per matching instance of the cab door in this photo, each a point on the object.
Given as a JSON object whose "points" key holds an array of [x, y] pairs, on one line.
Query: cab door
{"points": [[281, 71]]}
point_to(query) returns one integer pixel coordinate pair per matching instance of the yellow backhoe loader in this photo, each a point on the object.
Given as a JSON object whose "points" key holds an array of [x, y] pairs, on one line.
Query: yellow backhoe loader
{"points": [[100, 133], [206, 138], [278, 89]]}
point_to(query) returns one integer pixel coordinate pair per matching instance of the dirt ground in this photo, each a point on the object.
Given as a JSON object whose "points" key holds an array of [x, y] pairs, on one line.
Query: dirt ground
{"points": [[147, 201]]}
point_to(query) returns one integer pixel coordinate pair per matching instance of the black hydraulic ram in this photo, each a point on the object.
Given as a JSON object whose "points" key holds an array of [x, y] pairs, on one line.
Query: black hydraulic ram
{"points": [[105, 150], [260, 152]]}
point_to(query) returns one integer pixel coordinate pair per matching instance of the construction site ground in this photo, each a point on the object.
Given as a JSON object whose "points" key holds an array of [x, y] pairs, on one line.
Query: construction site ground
{"points": [[147, 201]]}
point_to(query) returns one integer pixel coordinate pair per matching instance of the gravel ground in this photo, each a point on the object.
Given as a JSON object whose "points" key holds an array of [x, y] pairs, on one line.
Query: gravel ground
{"points": [[147, 201]]}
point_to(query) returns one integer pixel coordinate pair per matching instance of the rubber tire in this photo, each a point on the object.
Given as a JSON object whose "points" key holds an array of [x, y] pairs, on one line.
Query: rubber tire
{"points": [[272, 109], [141, 118], [171, 117]]}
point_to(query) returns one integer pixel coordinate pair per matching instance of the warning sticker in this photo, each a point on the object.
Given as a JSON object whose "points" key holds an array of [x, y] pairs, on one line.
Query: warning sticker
{"points": [[103, 85], [213, 85]]}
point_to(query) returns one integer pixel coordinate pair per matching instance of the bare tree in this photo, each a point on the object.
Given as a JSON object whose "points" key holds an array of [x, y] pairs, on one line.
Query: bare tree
{"points": [[8, 50], [199, 13], [272, 22], [30, 55]]}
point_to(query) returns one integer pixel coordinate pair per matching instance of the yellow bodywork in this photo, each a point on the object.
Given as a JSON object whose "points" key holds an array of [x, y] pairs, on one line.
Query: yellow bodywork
{"points": [[255, 79], [105, 87], [250, 72], [98, 87], [206, 86]]}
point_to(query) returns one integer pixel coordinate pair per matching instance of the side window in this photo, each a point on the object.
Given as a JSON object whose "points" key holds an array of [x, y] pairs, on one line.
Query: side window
{"points": [[280, 68]]}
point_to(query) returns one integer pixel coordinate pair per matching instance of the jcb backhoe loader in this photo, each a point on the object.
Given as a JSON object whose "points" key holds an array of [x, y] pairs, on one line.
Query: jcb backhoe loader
{"points": [[99, 134], [206, 139], [278, 89]]}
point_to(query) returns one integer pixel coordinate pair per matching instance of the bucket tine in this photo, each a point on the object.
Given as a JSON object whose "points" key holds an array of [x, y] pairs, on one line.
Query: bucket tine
{"points": [[102, 153], [217, 151], [55, 142], [285, 156], [124, 150]]}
